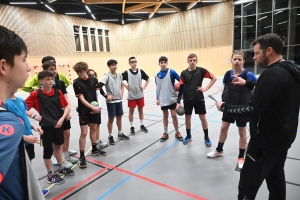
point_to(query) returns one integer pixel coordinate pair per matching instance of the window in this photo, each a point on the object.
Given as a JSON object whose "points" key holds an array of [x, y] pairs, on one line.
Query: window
{"points": [[93, 39], [295, 3], [294, 54], [249, 8], [237, 11], [280, 24], [249, 62], [295, 27], [107, 41], [85, 38], [264, 6], [264, 24], [237, 34], [249, 29], [279, 4], [77, 38], [100, 39]]}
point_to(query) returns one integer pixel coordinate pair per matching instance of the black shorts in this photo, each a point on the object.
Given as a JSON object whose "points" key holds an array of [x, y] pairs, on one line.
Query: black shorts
{"points": [[169, 107], [52, 136], [30, 151], [239, 122], [90, 118], [198, 106], [66, 125]]}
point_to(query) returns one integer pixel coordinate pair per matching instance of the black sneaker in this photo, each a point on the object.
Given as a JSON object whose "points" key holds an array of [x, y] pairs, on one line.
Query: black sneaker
{"points": [[122, 136], [132, 131], [164, 137], [82, 163], [143, 128], [111, 140], [98, 152], [66, 171]]}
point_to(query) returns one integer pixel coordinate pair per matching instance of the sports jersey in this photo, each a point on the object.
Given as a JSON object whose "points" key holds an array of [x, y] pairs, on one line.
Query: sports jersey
{"points": [[161, 75]]}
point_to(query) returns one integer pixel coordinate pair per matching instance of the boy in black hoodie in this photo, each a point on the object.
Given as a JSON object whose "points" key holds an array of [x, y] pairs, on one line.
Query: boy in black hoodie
{"points": [[274, 111]]}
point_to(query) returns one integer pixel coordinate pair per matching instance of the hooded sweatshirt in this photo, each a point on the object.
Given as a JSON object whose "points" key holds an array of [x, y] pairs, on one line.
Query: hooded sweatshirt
{"points": [[274, 106]]}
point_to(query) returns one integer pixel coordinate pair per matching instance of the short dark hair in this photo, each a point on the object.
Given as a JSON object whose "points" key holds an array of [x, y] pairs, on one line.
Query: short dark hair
{"points": [[46, 58], [80, 66], [163, 58], [269, 40], [91, 70], [131, 58], [11, 45], [47, 64], [44, 74], [111, 62]]}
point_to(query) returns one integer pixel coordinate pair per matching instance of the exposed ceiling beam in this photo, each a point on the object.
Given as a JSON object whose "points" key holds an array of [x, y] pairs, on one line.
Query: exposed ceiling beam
{"points": [[154, 10], [123, 6], [190, 5], [119, 1], [138, 7], [150, 10]]}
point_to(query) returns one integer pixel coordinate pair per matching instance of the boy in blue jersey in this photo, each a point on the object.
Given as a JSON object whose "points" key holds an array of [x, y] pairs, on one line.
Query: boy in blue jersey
{"points": [[166, 96], [17, 180]]}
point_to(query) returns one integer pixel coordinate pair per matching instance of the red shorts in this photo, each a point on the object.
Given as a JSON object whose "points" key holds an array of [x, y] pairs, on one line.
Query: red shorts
{"points": [[136, 102]]}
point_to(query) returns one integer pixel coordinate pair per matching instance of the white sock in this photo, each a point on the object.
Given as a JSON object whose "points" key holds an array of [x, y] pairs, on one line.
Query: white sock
{"points": [[110, 134], [142, 123], [65, 154], [166, 130], [120, 132], [131, 124], [97, 141]]}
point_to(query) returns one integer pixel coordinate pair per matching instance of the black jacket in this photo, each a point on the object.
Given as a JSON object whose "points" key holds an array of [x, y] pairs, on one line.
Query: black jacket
{"points": [[274, 106]]}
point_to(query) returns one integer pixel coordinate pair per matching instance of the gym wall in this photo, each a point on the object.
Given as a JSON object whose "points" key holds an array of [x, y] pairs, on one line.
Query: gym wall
{"points": [[205, 31]]}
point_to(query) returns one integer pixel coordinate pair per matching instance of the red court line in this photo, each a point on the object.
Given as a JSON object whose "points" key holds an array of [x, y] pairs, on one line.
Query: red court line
{"points": [[79, 184], [146, 179]]}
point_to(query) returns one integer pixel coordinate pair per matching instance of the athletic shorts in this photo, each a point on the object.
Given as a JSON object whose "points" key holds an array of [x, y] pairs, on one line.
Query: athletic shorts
{"points": [[30, 151], [198, 106], [114, 109], [239, 122], [66, 125], [136, 102], [52, 136], [90, 118], [169, 107]]}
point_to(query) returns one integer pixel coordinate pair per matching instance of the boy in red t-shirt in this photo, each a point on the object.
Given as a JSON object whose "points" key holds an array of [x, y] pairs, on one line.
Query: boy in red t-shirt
{"points": [[48, 102]]}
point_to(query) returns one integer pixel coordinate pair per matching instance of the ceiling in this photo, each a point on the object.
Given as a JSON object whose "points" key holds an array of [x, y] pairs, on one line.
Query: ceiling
{"points": [[113, 11]]}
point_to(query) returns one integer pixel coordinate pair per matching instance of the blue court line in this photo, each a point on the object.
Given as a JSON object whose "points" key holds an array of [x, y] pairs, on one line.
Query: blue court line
{"points": [[150, 161]]}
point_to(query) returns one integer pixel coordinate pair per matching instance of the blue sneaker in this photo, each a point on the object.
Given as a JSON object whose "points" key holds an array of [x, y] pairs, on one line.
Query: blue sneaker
{"points": [[45, 192], [187, 140], [207, 142]]}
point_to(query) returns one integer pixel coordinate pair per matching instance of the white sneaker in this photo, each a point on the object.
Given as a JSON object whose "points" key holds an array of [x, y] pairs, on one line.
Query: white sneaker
{"points": [[102, 144], [72, 152], [214, 154], [240, 163], [53, 160], [69, 159], [67, 164]]}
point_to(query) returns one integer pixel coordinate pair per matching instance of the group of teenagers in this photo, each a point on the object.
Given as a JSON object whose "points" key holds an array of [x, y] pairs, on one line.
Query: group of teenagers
{"points": [[265, 108]]}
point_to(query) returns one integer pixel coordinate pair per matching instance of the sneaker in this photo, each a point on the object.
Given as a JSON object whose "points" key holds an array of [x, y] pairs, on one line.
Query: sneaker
{"points": [[132, 131], [82, 163], [240, 163], [66, 171], [214, 154], [187, 140], [164, 137], [111, 140], [70, 159], [45, 192], [178, 136], [101, 144], [72, 152], [143, 128], [53, 160], [122, 136], [55, 179], [207, 142], [98, 152], [67, 164]]}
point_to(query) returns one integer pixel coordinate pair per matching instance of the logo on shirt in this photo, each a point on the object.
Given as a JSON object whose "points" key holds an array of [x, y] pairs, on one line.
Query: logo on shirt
{"points": [[7, 129]]}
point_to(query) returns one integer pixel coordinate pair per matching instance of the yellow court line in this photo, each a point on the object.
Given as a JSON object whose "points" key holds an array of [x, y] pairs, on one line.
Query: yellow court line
{"points": [[71, 168]]}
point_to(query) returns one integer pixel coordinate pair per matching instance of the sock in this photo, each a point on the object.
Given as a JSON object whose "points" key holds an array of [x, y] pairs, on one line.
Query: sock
{"points": [[119, 132], [176, 130], [60, 166], [188, 133], [142, 123], [81, 154], [97, 141], [94, 148], [166, 129], [242, 152], [49, 172], [220, 147], [131, 124], [205, 133], [65, 154], [109, 135]]}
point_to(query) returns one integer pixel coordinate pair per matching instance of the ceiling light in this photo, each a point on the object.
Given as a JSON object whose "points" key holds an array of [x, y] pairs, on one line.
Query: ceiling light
{"points": [[49, 8], [192, 5], [138, 12], [75, 13], [51, 1], [247, 26], [122, 21], [16, 3], [247, 4], [166, 12], [262, 18], [93, 16], [242, 1], [298, 14], [133, 19], [88, 8], [109, 20]]}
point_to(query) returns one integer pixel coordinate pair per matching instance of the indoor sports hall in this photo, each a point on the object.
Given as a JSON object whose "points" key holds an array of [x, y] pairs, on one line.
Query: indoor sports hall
{"points": [[144, 168]]}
